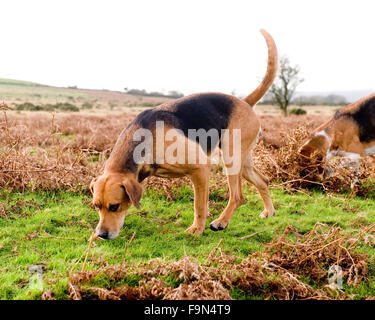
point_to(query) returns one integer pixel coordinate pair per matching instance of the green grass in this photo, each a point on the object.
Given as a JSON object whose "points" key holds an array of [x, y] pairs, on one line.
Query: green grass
{"points": [[51, 229]]}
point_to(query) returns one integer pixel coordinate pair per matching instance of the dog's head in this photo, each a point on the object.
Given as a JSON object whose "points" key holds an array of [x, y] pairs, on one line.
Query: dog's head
{"points": [[113, 194]]}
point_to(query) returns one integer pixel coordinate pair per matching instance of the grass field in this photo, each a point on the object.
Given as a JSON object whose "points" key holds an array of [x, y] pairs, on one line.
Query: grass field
{"points": [[52, 229]]}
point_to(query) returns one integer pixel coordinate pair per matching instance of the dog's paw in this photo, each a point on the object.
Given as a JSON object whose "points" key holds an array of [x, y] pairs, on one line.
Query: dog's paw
{"points": [[218, 224], [266, 214], [194, 229]]}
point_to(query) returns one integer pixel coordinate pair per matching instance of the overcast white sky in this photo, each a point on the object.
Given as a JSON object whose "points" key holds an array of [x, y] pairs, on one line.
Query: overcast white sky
{"points": [[188, 45]]}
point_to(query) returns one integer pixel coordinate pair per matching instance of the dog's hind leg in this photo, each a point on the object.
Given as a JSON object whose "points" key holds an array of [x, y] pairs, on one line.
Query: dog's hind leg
{"points": [[233, 156], [235, 200], [200, 178], [254, 176]]}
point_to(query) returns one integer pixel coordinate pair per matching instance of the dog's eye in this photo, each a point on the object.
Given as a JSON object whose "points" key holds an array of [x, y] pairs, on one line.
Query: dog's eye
{"points": [[114, 207]]}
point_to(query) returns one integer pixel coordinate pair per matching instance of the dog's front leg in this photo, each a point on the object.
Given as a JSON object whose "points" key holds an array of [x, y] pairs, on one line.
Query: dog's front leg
{"points": [[199, 179]]}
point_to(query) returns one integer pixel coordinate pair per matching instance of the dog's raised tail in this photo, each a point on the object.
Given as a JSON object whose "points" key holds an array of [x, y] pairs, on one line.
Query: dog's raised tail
{"points": [[271, 73]]}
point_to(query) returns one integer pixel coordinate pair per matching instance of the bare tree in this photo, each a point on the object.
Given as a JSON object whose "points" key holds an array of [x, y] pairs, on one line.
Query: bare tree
{"points": [[284, 87]]}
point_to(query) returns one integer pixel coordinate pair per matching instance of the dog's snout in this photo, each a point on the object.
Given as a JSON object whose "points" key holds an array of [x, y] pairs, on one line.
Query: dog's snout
{"points": [[103, 234]]}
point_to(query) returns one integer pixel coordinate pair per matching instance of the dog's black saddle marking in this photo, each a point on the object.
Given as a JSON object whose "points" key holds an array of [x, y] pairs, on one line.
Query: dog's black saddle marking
{"points": [[201, 111], [365, 119]]}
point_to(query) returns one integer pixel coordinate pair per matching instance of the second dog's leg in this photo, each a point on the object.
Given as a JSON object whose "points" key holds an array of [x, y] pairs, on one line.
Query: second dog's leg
{"points": [[200, 182]]}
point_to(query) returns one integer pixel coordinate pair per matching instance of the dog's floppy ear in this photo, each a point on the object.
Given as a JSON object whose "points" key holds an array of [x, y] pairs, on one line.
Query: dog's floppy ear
{"points": [[92, 185], [134, 190]]}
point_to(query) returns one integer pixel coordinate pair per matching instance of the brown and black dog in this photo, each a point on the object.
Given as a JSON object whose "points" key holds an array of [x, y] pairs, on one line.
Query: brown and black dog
{"points": [[120, 184], [350, 133]]}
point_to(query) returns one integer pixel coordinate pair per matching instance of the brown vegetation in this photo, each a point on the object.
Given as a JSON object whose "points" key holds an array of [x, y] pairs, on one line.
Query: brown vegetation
{"points": [[67, 151]]}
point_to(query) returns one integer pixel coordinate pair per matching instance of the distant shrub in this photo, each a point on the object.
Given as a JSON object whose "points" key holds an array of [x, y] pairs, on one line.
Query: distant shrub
{"points": [[112, 105], [147, 104], [28, 106], [141, 92], [297, 111], [87, 105], [65, 107], [315, 100]]}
